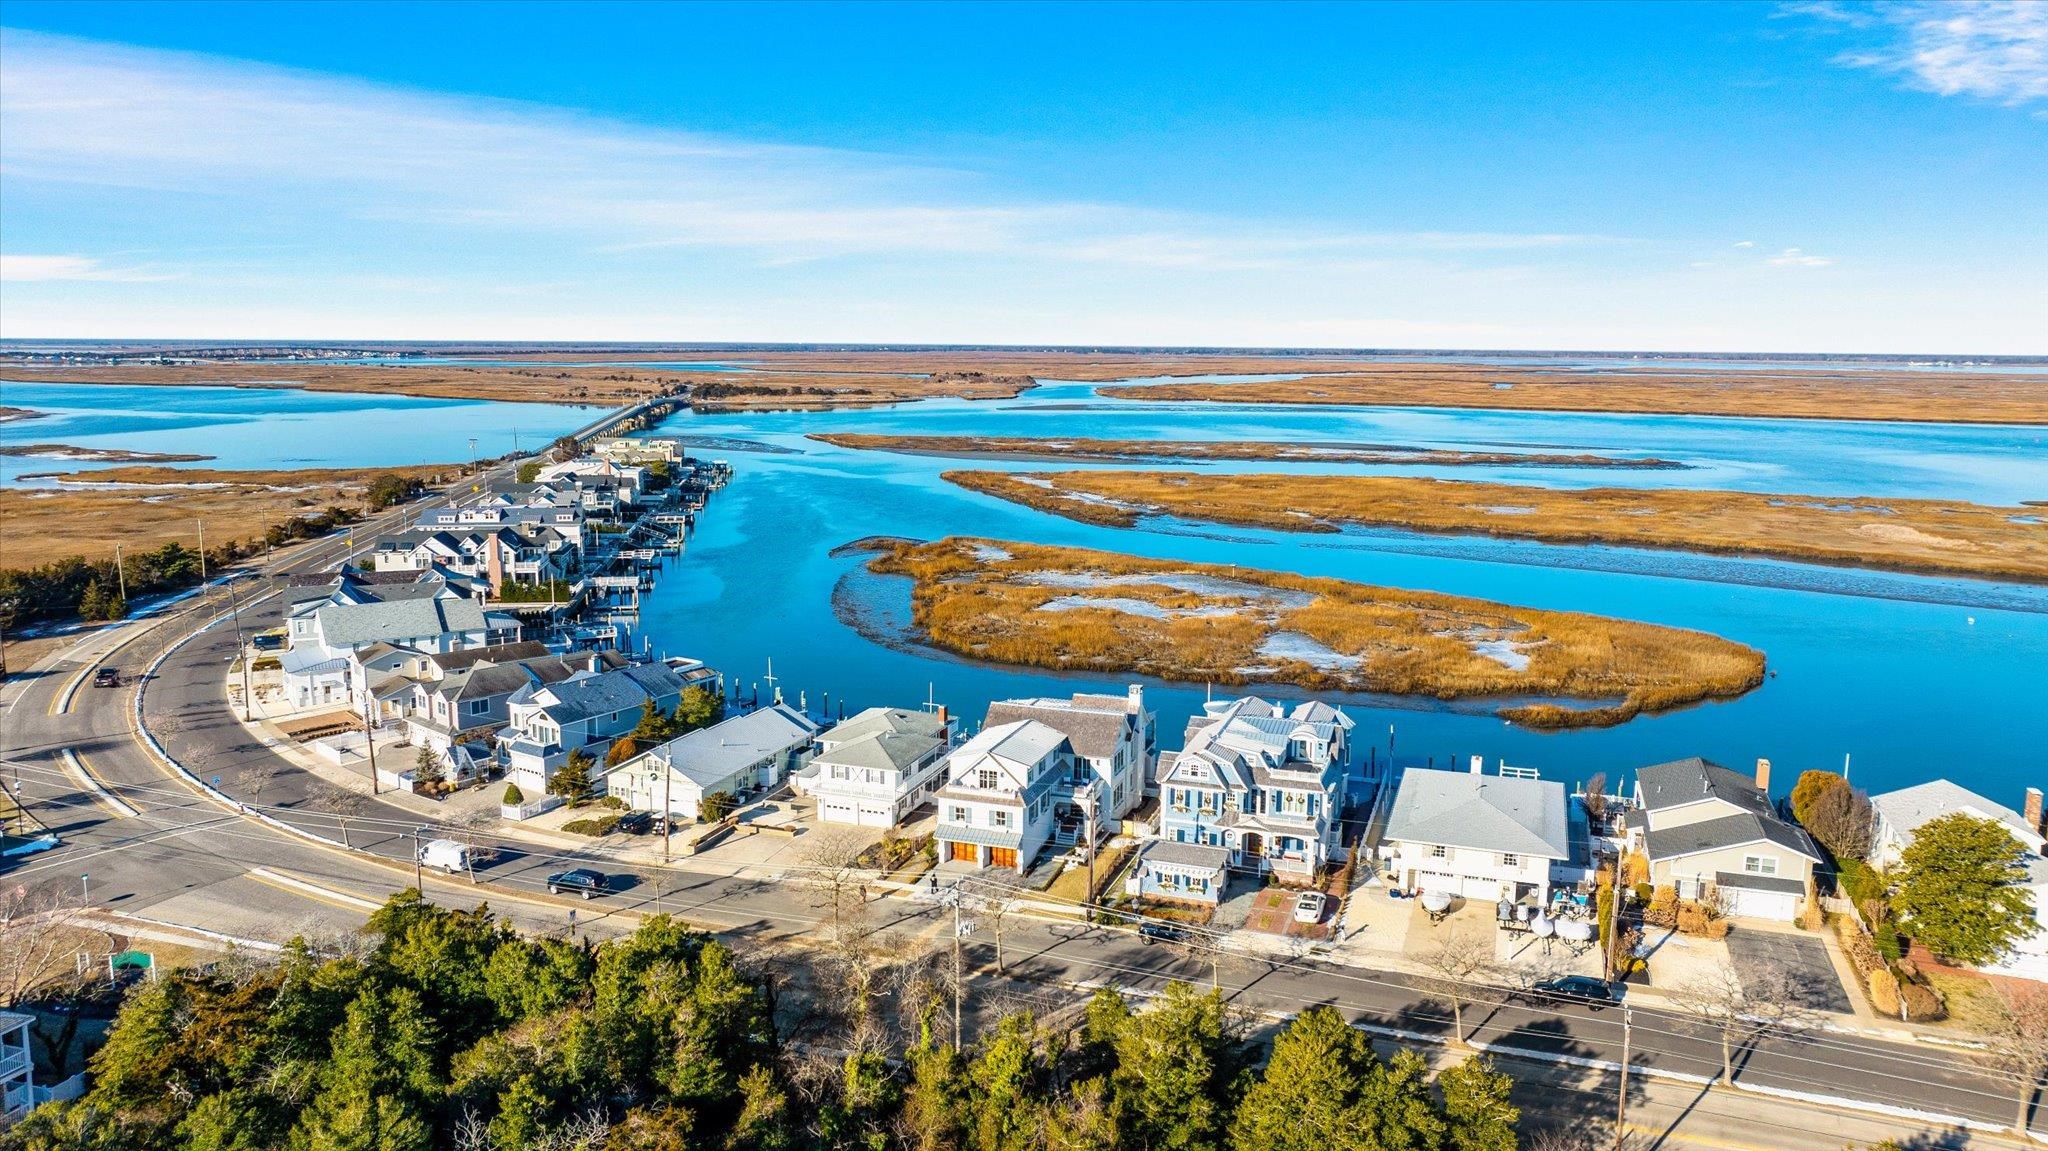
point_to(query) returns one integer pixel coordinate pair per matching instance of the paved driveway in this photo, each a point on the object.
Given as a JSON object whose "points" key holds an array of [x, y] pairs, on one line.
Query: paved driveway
{"points": [[1810, 979]]}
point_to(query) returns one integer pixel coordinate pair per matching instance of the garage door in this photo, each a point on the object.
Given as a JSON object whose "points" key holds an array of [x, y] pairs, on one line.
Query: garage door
{"points": [[836, 812], [1480, 888], [1778, 905], [872, 815], [1436, 881]]}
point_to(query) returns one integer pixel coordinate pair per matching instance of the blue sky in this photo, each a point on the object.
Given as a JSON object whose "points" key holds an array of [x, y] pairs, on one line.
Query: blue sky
{"points": [[1811, 177]]}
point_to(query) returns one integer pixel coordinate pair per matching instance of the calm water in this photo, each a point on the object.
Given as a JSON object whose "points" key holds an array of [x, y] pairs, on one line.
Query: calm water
{"points": [[1912, 677], [270, 428]]}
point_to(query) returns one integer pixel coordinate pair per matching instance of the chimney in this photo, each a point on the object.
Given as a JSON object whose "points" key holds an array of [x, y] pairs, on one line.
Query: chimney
{"points": [[945, 721], [1763, 776], [2033, 810], [1478, 765]]}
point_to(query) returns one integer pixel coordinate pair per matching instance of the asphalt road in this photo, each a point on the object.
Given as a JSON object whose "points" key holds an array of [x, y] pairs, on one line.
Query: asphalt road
{"points": [[181, 857]]}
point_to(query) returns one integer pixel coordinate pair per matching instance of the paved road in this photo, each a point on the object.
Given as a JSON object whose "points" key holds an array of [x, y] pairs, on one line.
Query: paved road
{"points": [[184, 858]]}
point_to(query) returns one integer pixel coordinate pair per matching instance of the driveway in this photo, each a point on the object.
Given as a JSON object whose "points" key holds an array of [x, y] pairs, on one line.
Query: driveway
{"points": [[1809, 977]]}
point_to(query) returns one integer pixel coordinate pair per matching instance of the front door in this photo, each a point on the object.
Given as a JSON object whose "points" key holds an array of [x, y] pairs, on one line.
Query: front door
{"points": [[1252, 846], [1003, 857]]}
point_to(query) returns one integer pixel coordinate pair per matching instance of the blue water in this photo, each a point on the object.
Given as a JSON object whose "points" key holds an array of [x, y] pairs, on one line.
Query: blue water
{"points": [[1912, 677], [247, 428]]}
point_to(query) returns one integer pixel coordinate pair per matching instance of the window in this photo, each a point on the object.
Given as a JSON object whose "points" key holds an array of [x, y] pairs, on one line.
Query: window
{"points": [[1439, 852], [987, 779], [1760, 864], [1510, 859], [957, 815], [477, 706], [999, 819]]}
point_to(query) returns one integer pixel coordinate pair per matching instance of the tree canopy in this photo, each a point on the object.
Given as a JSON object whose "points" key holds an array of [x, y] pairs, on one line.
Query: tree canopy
{"points": [[1957, 892], [454, 1031]]}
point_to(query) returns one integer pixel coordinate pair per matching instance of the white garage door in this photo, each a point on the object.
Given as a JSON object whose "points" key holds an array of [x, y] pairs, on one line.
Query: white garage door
{"points": [[876, 815], [1480, 888], [1436, 881], [1779, 905], [837, 812]]}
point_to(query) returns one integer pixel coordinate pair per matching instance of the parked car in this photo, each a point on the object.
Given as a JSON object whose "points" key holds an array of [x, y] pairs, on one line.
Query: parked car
{"points": [[1308, 908], [1594, 993], [1162, 933], [267, 642], [582, 880], [446, 854], [635, 823], [107, 677]]}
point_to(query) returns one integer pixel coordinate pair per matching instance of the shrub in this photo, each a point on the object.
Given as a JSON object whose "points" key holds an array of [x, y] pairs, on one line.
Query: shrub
{"points": [[717, 805], [1645, 893], [1923, 1003], [1886, 940], [614, 802], [1884, 993], [513, 796], [1858, 881], [599, 825], [1858, 947], [1696, 919]]}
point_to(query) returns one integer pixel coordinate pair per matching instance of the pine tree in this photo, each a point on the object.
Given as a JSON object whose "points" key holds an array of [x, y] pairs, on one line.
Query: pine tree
{"points": [[571, 781], [1476, 1107], [1957, 892], [1173, 1062], [1308, 1095]]}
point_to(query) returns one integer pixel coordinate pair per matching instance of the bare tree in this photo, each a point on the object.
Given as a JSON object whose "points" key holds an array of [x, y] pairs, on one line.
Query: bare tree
{"points": [[41, 929], [1458, 961], [471, 825], [995, 903], [1742, 1010], [854, 956], [831, 857], [2018, 1044], [258, 776], [344, 806], [1596, 796], [1842, 819]]}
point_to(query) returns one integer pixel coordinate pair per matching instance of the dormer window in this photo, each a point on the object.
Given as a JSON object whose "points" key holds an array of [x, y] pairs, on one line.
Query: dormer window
{"points": [[987, 779]]}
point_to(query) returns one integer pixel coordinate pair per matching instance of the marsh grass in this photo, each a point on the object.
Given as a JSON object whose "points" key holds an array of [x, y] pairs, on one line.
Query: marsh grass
{"points": [[1157, 451], [1945, 537], [967, 600]]}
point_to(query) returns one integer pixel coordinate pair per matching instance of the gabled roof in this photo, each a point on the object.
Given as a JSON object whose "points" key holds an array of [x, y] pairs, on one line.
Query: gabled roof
{"points": [[1693, 779], [1483, 812], [710, 756], [1094, 724], [881, 720], [1012, 748], [394, 621], [448, 661], [1725, 832], [1909, 807], [604, 693]]}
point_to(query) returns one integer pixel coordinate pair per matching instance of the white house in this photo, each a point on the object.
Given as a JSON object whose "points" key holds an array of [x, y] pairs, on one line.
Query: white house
{"points": [[320, 666], [1479, 836], [1114, 743], [17, 1069], [741, 755], [876, 768], [545, 722], [996, 807], [1899, 814]]}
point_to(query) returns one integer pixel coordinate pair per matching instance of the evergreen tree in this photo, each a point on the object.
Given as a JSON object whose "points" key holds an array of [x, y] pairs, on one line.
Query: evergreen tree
{"points": [[1957, 889], [1173, 1062], [937, 1101], [363, 1102], [1307, 1097], [1476, 1107], [1009, 1081], [571, 781], [1395, 1110], [700, 707]]}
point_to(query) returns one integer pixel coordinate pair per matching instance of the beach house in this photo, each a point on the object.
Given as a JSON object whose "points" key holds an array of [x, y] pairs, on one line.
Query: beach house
{"points": [[996, 807], [1713, 833], [740, 757], [876, 768]]}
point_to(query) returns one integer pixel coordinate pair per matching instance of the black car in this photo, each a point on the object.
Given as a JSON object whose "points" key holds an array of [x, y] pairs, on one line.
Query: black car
{"points": [[1162, 933], [267, 643], [107, 677], [1594, 993], [582, 881], [635, 823]]}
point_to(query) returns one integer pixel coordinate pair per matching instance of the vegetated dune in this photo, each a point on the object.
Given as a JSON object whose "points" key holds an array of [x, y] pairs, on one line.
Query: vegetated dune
{"points": [[1942, 537], [143, 506], [1874, 393], [1076, 609], [1164, 451]]}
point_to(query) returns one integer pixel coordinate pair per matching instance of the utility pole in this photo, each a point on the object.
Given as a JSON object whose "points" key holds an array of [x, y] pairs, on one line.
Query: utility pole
{"points": [[419, 863], [1088, 799], [472, 455], [668, 779], [121, 575], [1614, 920], [370, 736], [1621, 1100], [241, 652], [959, 986], [204, 594]]}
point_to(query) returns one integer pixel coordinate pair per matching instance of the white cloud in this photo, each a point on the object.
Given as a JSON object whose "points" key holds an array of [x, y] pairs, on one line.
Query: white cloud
{"points": [[1795, 258], [1745, 243], [100, 115], [28, 269], [1995, 50]]}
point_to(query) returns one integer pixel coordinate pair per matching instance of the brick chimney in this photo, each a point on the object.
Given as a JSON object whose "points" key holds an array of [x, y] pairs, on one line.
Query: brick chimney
{"points": [[945, 724], [2033, 809], [1763, 776]]}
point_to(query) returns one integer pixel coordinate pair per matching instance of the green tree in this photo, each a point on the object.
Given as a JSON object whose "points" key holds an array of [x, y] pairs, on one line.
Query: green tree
{"points": [[1957, 892], [764, 1122], [390, 489], [1173, 1062], [1395, 1110], [97, 603], [571, 781], [1476, 1107], [528, 471], [426, 763], [938, 1100], [513, 796], [717, 805], [236, 1120], [367, 1097], [1010, 1079], [1307, 1097], [700, 707]]}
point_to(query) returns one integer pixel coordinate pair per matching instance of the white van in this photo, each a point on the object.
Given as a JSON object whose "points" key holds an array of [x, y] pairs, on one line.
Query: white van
{"points": [[445, 854]]}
